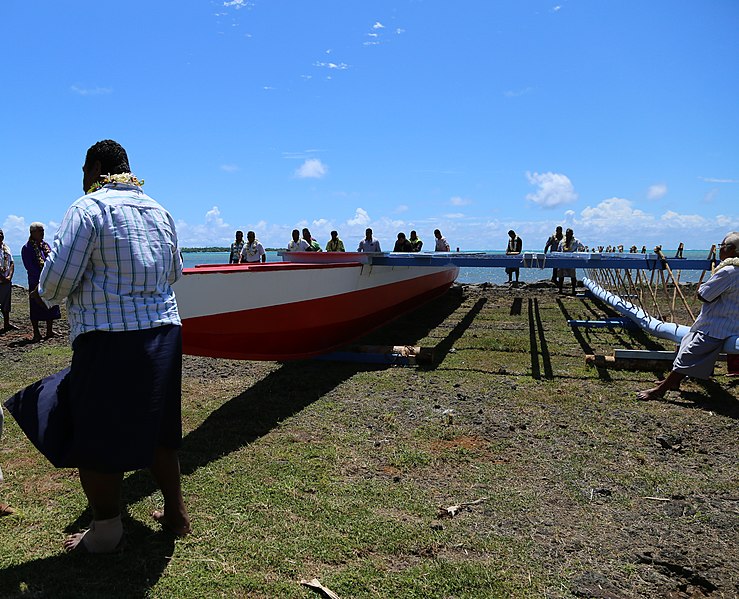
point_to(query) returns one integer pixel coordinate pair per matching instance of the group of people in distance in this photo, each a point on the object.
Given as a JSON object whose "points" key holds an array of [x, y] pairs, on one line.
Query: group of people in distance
{"points": [[252, 250], [34, 254], [557, 242]]}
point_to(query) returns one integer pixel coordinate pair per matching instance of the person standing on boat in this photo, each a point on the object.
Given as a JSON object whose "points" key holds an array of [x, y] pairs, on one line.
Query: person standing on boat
{"points": [[34, 255], [115, 258], [416, 243], [515, 247], [313, 245], [253, 251], [402, 244], [7, 268], [335, 244], [368, 244], [442, 245], [717, 321], [568, 244], [297, 244], [552, 245], [236, 248]]}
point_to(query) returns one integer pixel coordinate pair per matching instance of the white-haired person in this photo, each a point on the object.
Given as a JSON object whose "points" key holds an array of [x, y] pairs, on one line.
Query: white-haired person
{"points": [[718, 320]]}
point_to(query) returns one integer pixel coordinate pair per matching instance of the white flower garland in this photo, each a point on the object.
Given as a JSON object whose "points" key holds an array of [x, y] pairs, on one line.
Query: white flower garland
{"points": [[728, 262], [124, 178]]}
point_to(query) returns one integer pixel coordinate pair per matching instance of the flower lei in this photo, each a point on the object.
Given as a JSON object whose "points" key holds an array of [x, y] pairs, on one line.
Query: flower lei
{"points": [[42, 250], [251, 248], [728, 262], [125, 178]]}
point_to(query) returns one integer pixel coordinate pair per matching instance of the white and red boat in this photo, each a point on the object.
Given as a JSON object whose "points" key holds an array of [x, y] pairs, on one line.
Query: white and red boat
{"points": [[308, 306]]}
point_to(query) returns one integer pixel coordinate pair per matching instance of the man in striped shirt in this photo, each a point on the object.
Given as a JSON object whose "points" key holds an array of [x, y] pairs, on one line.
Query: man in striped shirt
{"points": [[114, 258]]}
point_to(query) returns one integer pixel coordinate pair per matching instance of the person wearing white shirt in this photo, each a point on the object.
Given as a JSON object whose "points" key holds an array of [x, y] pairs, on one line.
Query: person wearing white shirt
{"points": [[297, 244], [368, 244], [442, 245], [718, 320], [253, 251]]}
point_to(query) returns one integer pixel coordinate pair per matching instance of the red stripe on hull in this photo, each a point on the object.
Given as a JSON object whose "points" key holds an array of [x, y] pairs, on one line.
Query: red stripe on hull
{"points": [[302, 329]]}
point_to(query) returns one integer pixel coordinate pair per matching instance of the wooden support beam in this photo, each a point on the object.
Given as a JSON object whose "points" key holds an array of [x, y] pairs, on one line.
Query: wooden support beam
{"points": [[401, 355], [624, 323]]}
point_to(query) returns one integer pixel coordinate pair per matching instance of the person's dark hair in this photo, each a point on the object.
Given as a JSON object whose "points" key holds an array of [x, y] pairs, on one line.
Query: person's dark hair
{"points": [[334, 233], [512, 233], [113, 158]]}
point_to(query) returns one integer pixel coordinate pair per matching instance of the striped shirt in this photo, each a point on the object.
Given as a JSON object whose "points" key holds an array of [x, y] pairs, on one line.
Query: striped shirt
{"points": [[115, 257], [720, 317]]}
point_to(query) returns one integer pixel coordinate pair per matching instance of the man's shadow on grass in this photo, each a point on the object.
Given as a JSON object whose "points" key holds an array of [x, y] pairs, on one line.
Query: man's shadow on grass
{"points": [[285, 392], [130, 573], [238, 422], [714, 397]]}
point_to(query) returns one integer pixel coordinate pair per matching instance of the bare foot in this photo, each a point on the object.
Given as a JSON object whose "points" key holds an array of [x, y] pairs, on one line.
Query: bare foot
{"points": [[650, 394], [35, 339], [50, 335], [178, 525], [6, 510], [74, 541]]}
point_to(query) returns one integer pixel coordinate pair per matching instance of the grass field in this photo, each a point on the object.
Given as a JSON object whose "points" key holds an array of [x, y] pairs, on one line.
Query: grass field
{"points": [[564, 485]]}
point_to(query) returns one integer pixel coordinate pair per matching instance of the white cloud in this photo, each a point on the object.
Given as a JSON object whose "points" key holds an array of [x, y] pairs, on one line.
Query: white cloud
{"points": [[459, 201], [312, 168], [454, 215], [361, 217], [230, 168], [613, 214], [338, 66], [655, 192], [402, 208], [712, 180], [91, 91], [515, 93], [238, 4], [378, 25], [555, 189]]}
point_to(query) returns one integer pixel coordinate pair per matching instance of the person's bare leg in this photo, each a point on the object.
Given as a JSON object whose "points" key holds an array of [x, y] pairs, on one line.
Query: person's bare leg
{"points": [[103, 491], [560, 283], [670, 383], [166, 471], [573, 280], [36, 332], [49, 329]]}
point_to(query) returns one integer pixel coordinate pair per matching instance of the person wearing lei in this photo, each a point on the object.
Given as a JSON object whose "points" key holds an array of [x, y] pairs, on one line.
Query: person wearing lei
{"points": [[717, 322], [253, 251], [34, 255]]}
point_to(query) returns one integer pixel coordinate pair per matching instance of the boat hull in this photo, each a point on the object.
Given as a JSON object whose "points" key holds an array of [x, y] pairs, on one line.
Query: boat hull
{"points": [[286, 311]]}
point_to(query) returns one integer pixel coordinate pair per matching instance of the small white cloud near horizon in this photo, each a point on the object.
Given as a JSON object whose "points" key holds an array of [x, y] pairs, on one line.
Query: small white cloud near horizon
{"points": [[312, 168], [460, 201], [454, 215], [555, 189], [402, 208], [230, 168], [657, 191], [91, 91], [378, 25]]}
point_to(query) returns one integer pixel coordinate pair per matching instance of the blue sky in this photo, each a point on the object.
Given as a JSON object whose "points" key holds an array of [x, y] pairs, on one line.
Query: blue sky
{"points": [[618, 118]]}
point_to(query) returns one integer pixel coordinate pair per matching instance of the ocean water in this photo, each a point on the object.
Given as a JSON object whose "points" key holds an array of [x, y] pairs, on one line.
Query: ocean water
{"points": [[474, 275]]}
